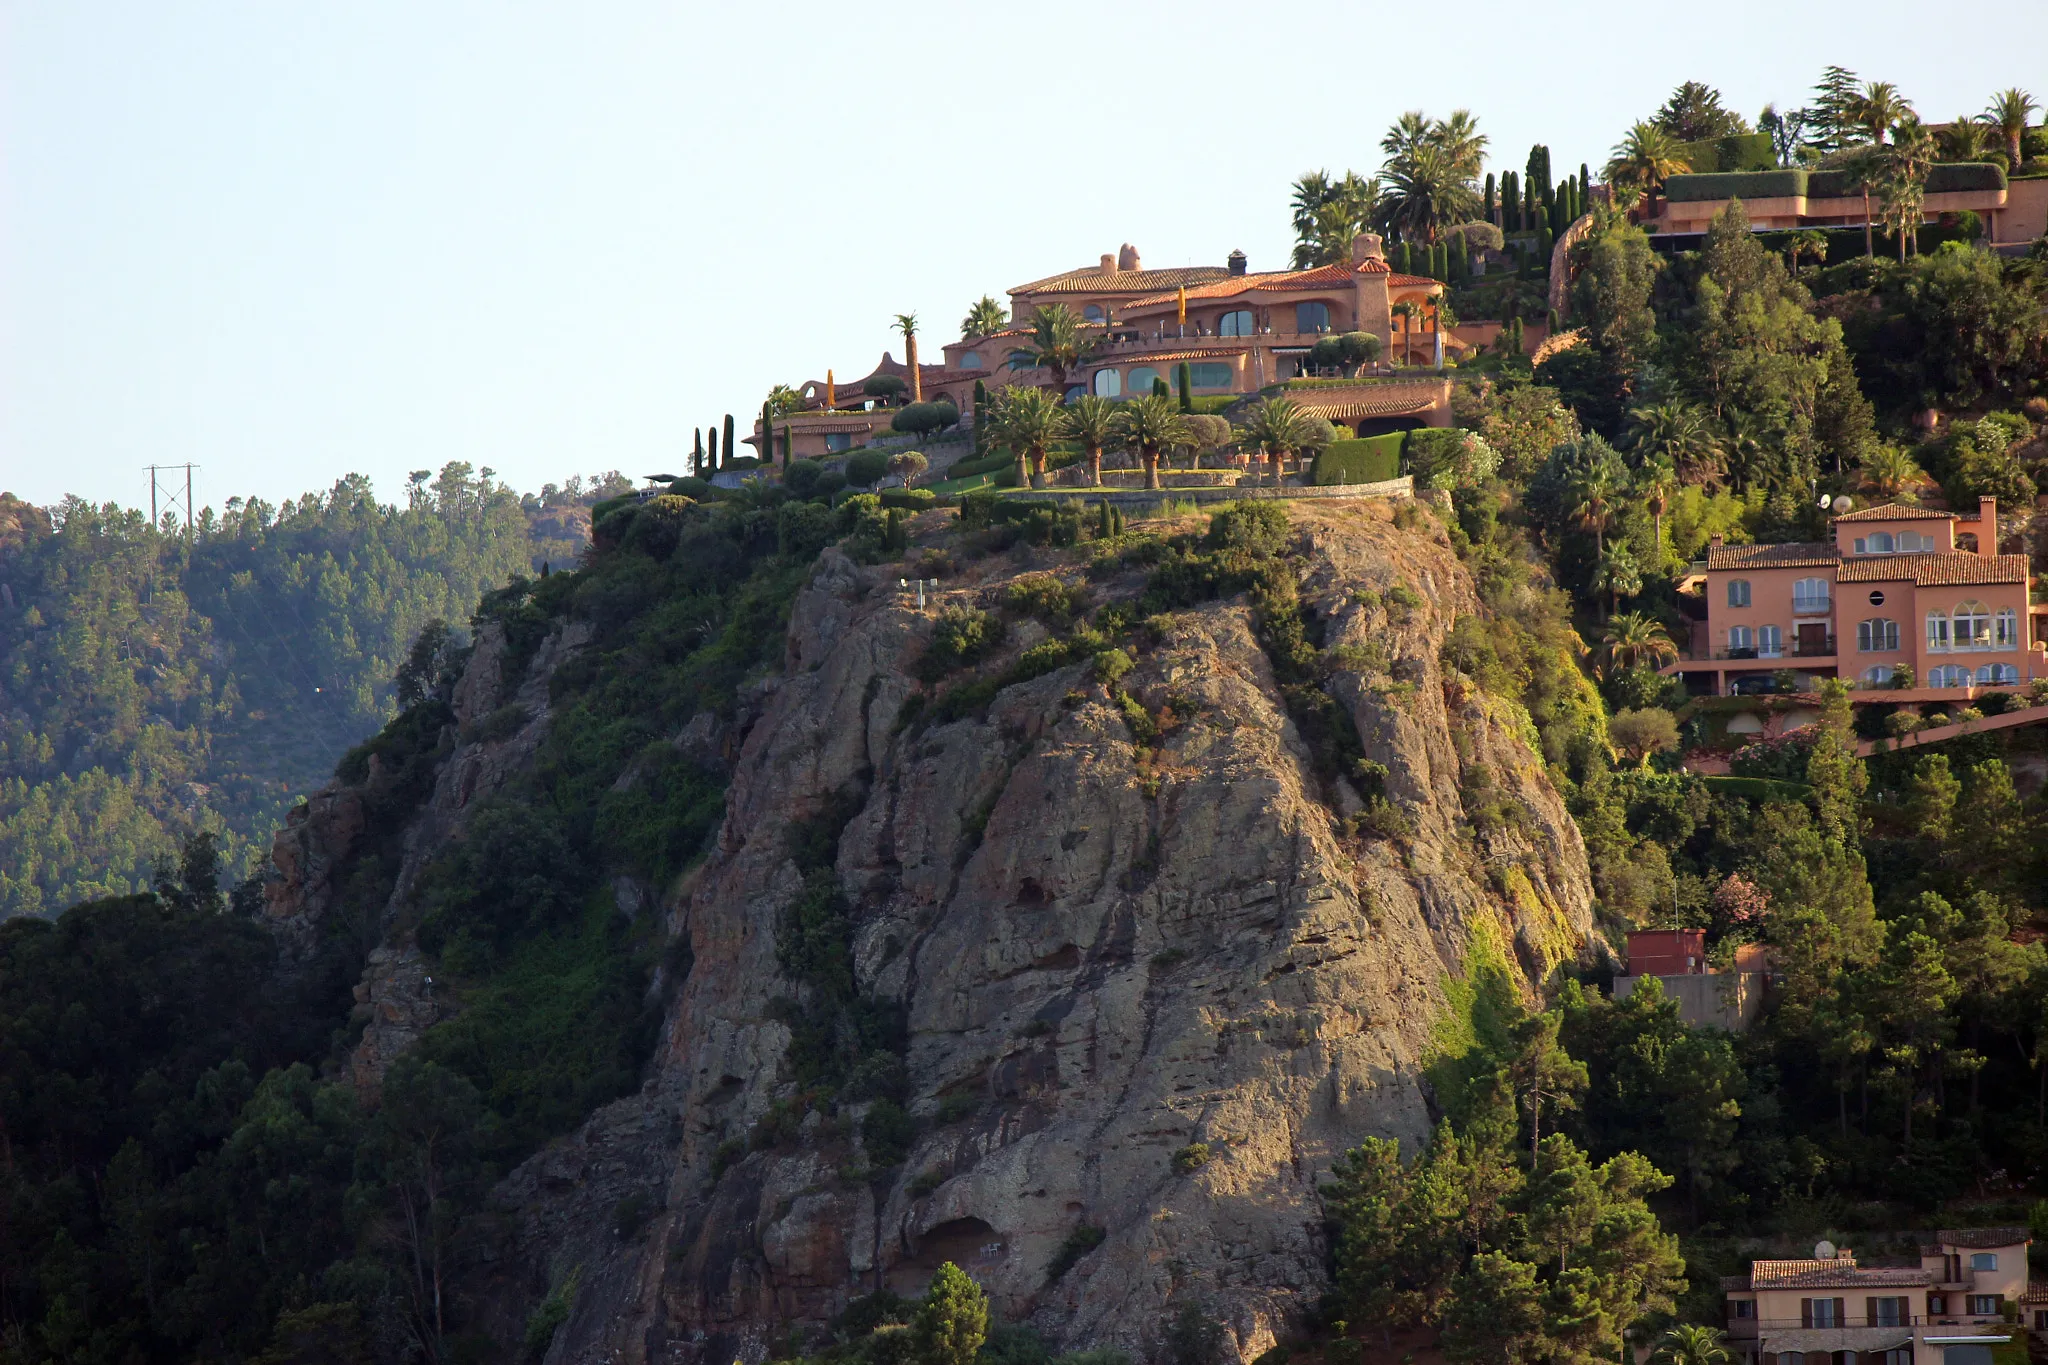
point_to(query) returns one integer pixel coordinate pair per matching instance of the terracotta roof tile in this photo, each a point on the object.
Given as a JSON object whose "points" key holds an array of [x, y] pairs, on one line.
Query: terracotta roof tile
{"points": [[1895, 511], [1796, 555], [1340, 408], [1165, 357], [1090, 279], [1280, 281], [1941, 569], [1835, 1274], [1984, 1237]]}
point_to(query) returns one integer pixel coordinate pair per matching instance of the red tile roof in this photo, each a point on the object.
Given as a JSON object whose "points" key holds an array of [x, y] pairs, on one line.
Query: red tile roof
{"points": [[1835, 1274], [1984, 1237], [1090, 279], [1342, 407], [1166, 357], [1283, 281], [1940, 569], [1796, 555], [1894, 511]]}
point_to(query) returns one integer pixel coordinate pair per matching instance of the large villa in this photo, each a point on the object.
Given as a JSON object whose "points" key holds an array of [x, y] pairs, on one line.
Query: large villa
{"points": [[1237, 330]]}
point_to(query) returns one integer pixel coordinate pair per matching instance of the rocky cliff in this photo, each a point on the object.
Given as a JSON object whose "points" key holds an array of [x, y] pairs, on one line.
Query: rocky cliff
{"points": [[1146, 973]]}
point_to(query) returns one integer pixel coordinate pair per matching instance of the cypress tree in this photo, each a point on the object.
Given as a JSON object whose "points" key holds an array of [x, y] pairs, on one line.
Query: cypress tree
{"points": [[1102, 531], [714, 450], [1159, 389], [1185, 378], [1537, 173], [1490, 216], [697, 452], [1585, 187], [1407, 259], [731, 451], [767, 434], [980, 408]]}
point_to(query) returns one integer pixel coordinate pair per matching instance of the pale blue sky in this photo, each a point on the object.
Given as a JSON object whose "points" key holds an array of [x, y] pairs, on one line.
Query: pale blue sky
{"points": [[293, 240]]}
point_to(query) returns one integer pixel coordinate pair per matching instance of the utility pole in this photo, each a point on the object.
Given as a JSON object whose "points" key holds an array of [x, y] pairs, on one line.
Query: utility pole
{"points": [[163, 491]]}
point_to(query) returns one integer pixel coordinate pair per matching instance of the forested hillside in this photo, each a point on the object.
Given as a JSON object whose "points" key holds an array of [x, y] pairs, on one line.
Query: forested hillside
{"points": [[155, 684]]}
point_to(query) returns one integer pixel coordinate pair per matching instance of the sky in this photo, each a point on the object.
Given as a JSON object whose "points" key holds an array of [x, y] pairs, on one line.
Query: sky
{"points": [[289, 242]]}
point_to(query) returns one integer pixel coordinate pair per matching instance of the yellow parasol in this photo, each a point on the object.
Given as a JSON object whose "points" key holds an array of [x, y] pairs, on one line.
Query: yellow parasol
{"points": [[1183, 293], [831, 393]]}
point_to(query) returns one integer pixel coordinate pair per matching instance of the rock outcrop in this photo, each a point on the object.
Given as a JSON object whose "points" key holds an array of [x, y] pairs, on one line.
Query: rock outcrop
{"points": [[1151, 992]]}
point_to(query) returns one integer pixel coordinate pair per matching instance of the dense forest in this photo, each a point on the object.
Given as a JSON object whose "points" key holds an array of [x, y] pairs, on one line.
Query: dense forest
{"points": [[160, 681]]}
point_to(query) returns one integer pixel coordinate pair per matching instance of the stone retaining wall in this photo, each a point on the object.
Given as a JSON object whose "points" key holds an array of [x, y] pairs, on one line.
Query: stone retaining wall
{"points": [[1403, 487]]}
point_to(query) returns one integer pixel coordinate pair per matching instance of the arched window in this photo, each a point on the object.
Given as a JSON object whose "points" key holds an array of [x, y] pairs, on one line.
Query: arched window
{"points": [[970, 360], [1877, 636], [1970, 626], [1878, 543], [1209, 376], [1141, 379], [1311, 317], [1937, 631], [1770, 642], [1912, 542], [1738, 592], [1991, 674], [1741, 643], [1092, 313], [2005, 629], [1949, 675], [1108, 384], [1074, 391], [1880, 675], [1238, 324], [1810, 595]]}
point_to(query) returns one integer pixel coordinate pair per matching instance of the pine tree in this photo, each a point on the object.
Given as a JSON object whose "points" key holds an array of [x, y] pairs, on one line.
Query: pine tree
{"points": [[952, 1322], [1185, 378], [731, 451]]}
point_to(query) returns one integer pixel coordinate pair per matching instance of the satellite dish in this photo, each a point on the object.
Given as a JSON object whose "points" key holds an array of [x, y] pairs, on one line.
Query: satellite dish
{"points": [[1823, 1250], [1824, 501], [1842, 503]]}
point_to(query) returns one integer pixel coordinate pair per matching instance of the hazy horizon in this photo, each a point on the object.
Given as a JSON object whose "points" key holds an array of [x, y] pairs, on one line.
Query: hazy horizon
{"points": [[291, 243]]}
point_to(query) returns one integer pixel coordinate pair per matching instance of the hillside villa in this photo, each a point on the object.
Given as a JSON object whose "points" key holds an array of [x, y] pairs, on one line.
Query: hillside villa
{"points": [[2015, 212], [1897, 587], [1238, 331], [1951, 1308]]}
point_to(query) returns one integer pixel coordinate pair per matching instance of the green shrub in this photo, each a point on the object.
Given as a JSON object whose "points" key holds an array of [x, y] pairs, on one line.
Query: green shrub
{"points": [[1191, 1158], [909, 499], [801, 477], [1072, 1248], [1739, 152], [865, 468], [1044, 596], [961, 636], [1370, 459], [802, 529], [920, 419], [886, 1133]]}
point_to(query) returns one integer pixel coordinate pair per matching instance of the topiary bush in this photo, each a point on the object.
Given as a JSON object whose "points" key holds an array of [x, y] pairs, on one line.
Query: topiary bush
{"points": [[866, 468]]}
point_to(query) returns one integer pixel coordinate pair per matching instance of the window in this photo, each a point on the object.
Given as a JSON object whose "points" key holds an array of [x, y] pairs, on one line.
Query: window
{"points": [[1238, 324], [1937, 632], [1984, 1260], [1741, 642], [1742, 1308], [1879, 544], [1876, 597], [2005, 629], [1879, 676], [1949, 675], [1141, 379], [1983, 1305], [1810, 595], [1108, 384], [1912, 542], [1073, 391], [1888, 1313], [970, 360], [1311, 317], [1989, 675], [1092, 313], [1970, 626], [838, 440], [1877, 636], [1770, 642], [1210, 376], [1821, 1312], [1738, 592]]}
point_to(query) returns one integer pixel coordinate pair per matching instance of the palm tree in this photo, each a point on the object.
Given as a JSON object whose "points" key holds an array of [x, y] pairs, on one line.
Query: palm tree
{"points": [[1091, 421], [1595, 496], [1865, 168], [1677, 433], [1644, 159], [1690, 1344], [1278, 426], [906, 323], [1966, 139], [1633, 640], [1619, 574], [1058, 343], [1328, 214], [1807, 242], [1891, 470], [1909, 159], [1149, 425], [1025, 420], [2008, 113], [1426, 191], [1407, 310], [1654, 482], [984, 319], [1878, 108]]}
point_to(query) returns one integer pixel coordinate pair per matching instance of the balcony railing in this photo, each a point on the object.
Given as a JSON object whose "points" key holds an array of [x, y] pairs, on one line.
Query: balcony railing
{"points": [[1748, 1327], [1812, 606]]}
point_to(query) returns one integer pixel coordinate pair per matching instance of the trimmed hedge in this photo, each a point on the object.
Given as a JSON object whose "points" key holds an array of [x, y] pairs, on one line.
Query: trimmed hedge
{"points": [[1369, 459], [1955, 177], [909, 499]]}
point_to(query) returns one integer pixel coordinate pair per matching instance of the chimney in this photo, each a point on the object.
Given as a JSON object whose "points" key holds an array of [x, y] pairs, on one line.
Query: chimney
{"points": [[1366, 247], [1108, 264], [1127, 258], [1716, 541], [1237, 263], [1987, 526]]}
